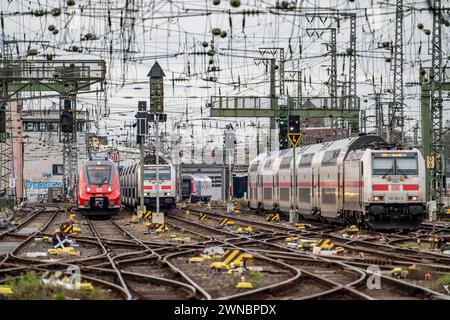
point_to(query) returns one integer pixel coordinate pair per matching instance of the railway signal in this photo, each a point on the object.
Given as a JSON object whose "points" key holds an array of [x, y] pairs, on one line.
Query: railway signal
{"points": [[283, 135], [295, 136], [66, 117], [294, 124]]}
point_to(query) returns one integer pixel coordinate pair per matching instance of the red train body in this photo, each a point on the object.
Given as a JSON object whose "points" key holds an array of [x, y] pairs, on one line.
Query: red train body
{"points": [[98, 188]]}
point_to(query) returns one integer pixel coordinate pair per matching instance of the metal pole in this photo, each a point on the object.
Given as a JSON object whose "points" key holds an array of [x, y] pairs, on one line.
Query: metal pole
{"points": [[141, 174], [438, 173], [294, 197], [273, 105], [178, 162], [157, 161], [397, 108], [230, 178]]}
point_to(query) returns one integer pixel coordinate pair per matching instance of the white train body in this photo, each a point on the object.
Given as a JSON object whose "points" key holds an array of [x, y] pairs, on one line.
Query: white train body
{"points": [[196, 187], [130, 184], [349, 180]]}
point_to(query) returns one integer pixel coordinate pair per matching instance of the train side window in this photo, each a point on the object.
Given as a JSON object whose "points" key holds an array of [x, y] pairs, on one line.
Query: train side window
{"points": [[330, 157], [286, 163], [306, 160], [268, 164], [254, 166]]}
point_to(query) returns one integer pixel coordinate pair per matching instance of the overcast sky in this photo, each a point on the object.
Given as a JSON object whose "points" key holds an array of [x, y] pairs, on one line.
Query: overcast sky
{"points": [[173, 32]]}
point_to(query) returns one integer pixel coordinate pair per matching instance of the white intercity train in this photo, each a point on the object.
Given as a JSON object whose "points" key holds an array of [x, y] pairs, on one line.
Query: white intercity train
{"points": [[360, 180], [130, 185]]}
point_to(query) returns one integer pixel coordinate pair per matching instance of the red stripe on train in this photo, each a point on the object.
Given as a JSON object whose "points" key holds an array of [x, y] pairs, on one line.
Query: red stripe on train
{"points": [[328, 184], [304, 184], [285, 184], [380, 187], [354, 183], [410, 187], [162, 187]]}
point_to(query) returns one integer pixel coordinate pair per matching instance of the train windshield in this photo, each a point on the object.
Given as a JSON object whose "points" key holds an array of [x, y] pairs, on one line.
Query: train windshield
{"points": [[406, 166], [164, 174], [395, 164], [383, 166], [99, 174]]}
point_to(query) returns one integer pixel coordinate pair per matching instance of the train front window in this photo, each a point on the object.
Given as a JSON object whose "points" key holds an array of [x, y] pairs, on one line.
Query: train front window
{"points": [[395, 164], [383, 166], [151, 175], [406, 166], [99, 174]]}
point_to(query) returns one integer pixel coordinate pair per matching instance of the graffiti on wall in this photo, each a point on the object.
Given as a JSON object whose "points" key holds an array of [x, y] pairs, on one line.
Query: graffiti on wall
{"points": [[41, 186]]}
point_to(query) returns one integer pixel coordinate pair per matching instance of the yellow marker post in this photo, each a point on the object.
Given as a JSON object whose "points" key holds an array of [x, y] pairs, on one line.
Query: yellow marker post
{"points": [[5, 290]]}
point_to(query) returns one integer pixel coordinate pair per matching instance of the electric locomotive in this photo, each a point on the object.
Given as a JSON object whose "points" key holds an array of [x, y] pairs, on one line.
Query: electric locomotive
{"points": [[98, 190], [131, 185]]}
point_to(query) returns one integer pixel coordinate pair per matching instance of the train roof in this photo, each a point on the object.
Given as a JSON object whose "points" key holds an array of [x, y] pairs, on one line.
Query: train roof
{"points": [[98, 162], [151, 159], [196, 176], [345, 145]]}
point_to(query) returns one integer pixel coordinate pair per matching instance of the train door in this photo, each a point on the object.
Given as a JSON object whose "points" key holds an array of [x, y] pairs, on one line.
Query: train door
{"points": [[316, 184], [340, 181], [274, 191], [360, 188], [185, 188], [313, 190], [258, 189]]}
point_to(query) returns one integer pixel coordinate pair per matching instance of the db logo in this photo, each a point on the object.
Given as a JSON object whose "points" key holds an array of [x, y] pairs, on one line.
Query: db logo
{"points": [[114, 157], [395, 187]]}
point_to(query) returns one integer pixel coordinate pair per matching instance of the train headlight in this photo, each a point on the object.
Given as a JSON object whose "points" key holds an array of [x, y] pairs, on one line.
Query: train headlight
{"points": [[168, 193], [413, 198], [109, 188], [377, 198], [88, 188]]}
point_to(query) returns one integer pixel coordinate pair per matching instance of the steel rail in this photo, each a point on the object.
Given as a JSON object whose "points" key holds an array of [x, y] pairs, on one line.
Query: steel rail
{"points": [[113, 264]]}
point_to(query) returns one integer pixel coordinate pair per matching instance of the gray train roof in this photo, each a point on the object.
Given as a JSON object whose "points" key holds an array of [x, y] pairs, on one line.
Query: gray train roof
{"points": [[94, 162], [345, 145]]}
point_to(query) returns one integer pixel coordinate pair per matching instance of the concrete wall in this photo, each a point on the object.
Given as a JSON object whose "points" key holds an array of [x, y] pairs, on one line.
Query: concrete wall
{"points": [[42, 150]]}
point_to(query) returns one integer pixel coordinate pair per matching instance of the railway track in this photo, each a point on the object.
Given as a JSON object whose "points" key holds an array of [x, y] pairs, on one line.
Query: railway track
{"points": [[132, 265], [357, 245]]}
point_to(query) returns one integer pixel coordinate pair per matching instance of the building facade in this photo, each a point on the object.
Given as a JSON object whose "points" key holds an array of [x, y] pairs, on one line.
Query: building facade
{"points": [[43, 152]]}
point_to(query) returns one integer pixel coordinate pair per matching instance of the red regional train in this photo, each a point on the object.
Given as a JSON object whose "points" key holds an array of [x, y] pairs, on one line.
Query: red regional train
{"points": [[98, 188]]}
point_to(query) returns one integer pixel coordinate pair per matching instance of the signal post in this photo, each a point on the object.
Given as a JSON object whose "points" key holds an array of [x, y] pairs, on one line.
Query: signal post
{"points": [[294, 137]]}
